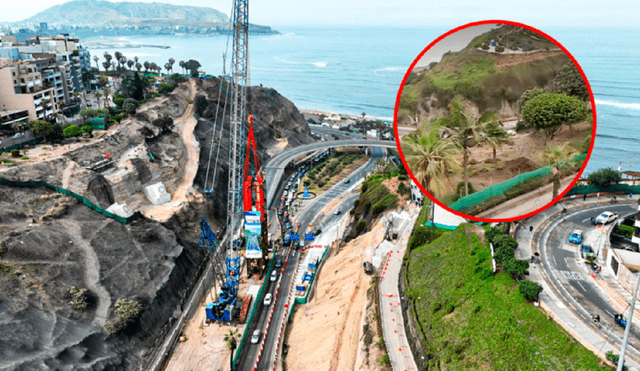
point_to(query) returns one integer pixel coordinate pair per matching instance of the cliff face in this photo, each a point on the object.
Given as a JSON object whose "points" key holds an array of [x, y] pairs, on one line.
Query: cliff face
{"points": [[50, 242], [275, 119]]}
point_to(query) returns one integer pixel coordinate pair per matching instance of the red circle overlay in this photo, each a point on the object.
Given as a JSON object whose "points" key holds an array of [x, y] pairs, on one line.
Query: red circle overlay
{"points": [[404, 161]]}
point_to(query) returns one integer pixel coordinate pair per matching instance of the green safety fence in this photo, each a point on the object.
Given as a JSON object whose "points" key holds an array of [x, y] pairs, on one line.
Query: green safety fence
{"points": [[66, 192], [97, 123], [613, 188], [499, 190], [17, 146], [257, 300]]}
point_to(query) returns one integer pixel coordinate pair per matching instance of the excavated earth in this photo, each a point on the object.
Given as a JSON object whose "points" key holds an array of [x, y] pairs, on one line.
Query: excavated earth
{"points": [[50, 242]]}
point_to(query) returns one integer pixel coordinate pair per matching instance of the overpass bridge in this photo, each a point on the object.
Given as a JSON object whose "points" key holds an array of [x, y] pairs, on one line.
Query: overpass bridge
{"points": [[274, 168]]}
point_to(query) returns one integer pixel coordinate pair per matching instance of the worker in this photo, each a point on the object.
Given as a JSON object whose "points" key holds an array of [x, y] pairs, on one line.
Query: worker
{"points": [[584, 197]]}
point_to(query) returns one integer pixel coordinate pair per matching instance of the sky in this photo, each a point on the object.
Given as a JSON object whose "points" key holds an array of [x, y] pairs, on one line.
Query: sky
{"points": [[409, 13]]}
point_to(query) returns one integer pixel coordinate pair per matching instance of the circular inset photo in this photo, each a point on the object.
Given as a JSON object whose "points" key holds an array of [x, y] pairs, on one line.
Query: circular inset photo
{"points": [[495, 121]]}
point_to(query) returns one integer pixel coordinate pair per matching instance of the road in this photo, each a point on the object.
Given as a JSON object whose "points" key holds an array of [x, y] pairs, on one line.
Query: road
{"points": [[569, 277], [305, 217], [274, 168]]}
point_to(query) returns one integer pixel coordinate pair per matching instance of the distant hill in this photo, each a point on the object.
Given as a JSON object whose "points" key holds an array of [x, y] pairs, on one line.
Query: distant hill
{"points": [[105, 14]]}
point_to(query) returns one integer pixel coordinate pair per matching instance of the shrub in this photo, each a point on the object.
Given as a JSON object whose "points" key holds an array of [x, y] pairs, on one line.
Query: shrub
{"points": [[78, 297], [126, 312], [530, 290], [15, 153], [506, 241], [503, 254], [516, 267], [119, 101], [130, 105], [548, 111], [87, 129], [499, 48], [604, 177], [360, 226], [72, 131], [492, 233], [485, 47], [165, 88]]}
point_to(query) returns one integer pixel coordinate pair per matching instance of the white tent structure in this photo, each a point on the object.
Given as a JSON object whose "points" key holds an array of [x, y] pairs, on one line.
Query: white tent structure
{"points": [[157, 194], [441, 217], [120, 210]]}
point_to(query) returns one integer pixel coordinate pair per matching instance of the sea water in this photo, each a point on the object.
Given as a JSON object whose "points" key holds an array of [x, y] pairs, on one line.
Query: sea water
{"points": [[352, 70]]}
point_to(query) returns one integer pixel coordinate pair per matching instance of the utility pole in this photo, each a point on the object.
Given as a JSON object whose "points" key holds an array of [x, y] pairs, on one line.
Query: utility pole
{"points": [[627, 329]]}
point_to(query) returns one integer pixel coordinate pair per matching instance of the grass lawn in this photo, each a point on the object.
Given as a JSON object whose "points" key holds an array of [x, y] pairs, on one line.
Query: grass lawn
{"points": [[473, 320]]}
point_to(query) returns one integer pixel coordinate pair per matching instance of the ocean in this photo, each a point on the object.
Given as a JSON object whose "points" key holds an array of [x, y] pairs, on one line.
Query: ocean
{"points": [[351, 70]]}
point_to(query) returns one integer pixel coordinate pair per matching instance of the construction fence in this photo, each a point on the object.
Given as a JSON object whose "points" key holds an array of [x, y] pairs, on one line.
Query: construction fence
{"points": [[66, 192], [594, 189], [496, 193], [7, 145]]}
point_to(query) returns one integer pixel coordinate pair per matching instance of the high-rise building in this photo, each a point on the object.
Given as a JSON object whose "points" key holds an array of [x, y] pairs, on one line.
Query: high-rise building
{"points": [[22, 88]]}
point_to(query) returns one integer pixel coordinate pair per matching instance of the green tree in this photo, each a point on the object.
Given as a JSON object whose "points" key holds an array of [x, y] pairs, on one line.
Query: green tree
{"points": [[465, 132], [130, 63], [494, 136], [569, 81], [182, 64], [431, 159], [528, 95], [231, 339], [71, 131], [138, 66], [530, 290], [130, 105], [118, 56], [165, 88], [560, 157], [604, 177], [146, 65], [87, 129], [137, 88], [516, 267], [549, 111], [106, 66], [40, 127], [192, 65]]}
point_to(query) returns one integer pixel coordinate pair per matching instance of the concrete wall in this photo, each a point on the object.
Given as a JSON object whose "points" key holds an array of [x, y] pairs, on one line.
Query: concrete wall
{"points": [[624, 276]]}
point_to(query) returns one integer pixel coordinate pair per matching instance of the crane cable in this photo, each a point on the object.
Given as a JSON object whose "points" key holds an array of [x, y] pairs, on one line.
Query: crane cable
{"points": [[213, 138]]}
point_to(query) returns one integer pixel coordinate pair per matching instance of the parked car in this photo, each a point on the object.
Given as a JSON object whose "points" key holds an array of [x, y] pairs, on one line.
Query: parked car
{"points": [[274, 275], [337, 212], [587, 251], [576, 236], [606, 217], [347, 181], [267, 299], [278, 263], [255, 337], [280, 212], [288, 226]]}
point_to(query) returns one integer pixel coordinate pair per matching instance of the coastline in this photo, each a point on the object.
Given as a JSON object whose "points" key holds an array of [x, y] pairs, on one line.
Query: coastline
{"points": [[314, 115]]}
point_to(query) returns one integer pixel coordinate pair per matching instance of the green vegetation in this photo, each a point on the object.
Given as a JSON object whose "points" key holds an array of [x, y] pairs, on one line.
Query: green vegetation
{"points": [[374, 200], [321, 177], [72, 131], [78, 297], [549, 111], [15, 153], [165, 88], [94, 112], [570, 82], [126, 312], [470, 319], [604, 177]]}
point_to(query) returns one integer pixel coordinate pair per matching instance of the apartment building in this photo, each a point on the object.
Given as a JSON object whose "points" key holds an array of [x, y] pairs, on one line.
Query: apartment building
{"points": [[22, 87]]}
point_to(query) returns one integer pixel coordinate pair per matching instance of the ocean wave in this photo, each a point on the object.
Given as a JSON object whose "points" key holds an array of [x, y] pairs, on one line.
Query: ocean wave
{"points": [[320, 64], [388, 69], [608, 136], [619, 105]]}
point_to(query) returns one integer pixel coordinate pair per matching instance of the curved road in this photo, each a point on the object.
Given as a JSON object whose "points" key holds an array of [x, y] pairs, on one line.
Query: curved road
{"points": [[570, 277]]}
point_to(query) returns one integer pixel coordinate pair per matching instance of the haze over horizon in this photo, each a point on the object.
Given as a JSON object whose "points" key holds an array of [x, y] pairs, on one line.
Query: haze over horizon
{"points": [[411, 13]]}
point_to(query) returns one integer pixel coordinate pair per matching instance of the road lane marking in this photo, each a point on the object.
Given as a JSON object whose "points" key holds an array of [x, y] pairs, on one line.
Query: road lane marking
{"points": [[578, 282], [608, 313], [554, 260]]}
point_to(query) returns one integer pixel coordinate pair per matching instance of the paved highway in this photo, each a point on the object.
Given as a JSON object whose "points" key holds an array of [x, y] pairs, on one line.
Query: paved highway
{"points": [[274, 168], [569, 276], [305, 218]]}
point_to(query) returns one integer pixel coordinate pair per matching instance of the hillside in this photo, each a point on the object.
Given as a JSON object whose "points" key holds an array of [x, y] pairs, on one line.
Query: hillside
{"points": [[50, 242], [464, 317], [487, 78], [105, 14]]}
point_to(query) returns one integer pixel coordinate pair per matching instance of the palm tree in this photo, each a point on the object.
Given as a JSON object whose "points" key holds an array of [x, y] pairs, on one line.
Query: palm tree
{"points": [[171, 63], [96, 59], [106, 65], [167, 66], [182, 65], [135, 59], [107, 57], [493, 135], [106, 92], [98, 95], [130, 63], [122, 61], [138, 67], [146, 66], [559, 156], [118, 57], [232, 342], [431, 158], [465, 132]]}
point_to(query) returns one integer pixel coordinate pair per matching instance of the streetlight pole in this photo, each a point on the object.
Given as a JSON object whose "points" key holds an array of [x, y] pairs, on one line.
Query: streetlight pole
{"points": [[627, 329]]}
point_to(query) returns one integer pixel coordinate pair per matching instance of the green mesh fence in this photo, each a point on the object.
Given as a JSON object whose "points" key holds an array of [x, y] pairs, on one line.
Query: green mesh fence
{"points": [[613, 188], [66, 192], [257, 300], [503, 190]]}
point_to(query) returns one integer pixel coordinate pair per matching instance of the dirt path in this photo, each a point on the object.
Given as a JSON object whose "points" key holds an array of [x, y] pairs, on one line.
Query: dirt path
{"points": [[185, 191], [92, 271]]}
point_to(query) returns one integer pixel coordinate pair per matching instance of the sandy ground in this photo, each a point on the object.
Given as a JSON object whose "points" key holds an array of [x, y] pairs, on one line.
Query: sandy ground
{"points": [[204, 348], [185, 191], [334, 316]]}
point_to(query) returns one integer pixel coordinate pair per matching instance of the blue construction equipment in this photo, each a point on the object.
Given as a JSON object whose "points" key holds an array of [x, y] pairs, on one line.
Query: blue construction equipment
{"points": [[307, 277], [208, 239], [619, 318], [222, 309]]}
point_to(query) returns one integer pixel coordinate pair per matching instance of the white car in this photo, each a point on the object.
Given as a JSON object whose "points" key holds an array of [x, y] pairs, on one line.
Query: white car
{"points": [[255, 337], [337, 212], [274, 275], [606, 217], [267, 299]]}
